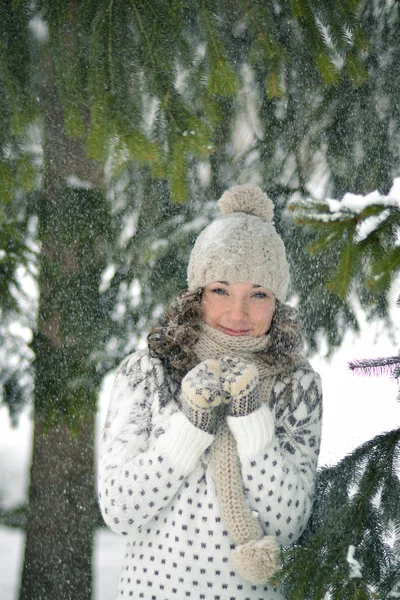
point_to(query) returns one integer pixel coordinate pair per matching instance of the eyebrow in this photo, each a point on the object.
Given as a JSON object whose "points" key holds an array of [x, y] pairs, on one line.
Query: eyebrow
{"points": [[255, 285]]}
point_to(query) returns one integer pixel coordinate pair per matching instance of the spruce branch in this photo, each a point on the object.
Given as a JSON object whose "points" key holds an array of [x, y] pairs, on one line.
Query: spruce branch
{"points": [[146, 37], [266, 46], [357, 504], [223, 78], [308, 21], [110, 44], [365, 230], [377, 366]]}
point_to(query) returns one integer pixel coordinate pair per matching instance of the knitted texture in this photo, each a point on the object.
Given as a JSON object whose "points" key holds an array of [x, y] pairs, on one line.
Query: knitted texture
{"points": [[240, 245], [215, 344], [157, 484], [255, 557], [240, 390], [237, 515], [201, 392], [248, 199], [240, 385], [256, 430], [257, 560]]}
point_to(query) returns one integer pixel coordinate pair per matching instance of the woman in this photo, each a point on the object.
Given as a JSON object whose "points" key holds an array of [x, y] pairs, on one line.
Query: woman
{"points": [[210, 446]]}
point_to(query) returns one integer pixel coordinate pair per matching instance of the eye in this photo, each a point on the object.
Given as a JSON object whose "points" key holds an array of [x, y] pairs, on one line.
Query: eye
{"points": [[219, 291], [261, 295]]}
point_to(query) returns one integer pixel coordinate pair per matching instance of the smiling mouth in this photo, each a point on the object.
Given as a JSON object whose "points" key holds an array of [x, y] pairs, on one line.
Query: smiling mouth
{"points": [[234, 332]]}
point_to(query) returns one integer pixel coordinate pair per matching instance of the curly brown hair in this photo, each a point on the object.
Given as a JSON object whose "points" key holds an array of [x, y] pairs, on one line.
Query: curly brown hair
{"points": [[179, 329]]}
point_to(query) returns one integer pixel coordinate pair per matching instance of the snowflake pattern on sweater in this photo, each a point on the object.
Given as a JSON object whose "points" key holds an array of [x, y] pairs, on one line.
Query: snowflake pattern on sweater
{"points": [[156, 482]]}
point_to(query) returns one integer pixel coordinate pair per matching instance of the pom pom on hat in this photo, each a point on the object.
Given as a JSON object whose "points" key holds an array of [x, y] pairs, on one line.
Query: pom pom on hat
{"points": [[248, 199]]}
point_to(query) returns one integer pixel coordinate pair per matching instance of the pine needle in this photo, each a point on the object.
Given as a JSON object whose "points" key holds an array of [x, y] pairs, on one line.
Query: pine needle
{"points": [[376, 366]]}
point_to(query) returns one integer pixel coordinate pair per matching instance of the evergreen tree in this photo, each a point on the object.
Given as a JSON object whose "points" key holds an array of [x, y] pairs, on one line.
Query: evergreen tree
{"points": [[325, 141], [126, 101], [350, 549]]}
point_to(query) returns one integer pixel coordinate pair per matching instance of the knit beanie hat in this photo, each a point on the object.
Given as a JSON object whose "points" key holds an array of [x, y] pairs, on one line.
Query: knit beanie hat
{"points": [[241, 244]]}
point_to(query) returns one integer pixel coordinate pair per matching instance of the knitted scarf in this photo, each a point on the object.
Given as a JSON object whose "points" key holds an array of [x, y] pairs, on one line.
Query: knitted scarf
{"points": [[255, 556]]}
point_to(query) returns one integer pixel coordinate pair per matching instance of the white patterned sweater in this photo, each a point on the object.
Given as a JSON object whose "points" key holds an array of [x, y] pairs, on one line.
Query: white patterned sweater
{"points": [[156, 482]]}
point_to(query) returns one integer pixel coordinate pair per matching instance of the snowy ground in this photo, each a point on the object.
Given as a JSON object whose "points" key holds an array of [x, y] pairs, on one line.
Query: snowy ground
{"points": [[355, 410]]}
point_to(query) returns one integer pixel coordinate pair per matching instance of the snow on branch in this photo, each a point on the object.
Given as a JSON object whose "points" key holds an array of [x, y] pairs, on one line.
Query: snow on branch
{"points": [[354, 565], [350, 205], [361, 232]]}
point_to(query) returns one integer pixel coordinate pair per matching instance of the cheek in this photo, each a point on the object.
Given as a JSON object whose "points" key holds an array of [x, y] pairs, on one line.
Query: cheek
{"points": [[208, 310], [263, 318]]}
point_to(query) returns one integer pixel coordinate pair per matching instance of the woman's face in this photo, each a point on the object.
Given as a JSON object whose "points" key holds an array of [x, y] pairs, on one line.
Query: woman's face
{"points": [[238, 308]]}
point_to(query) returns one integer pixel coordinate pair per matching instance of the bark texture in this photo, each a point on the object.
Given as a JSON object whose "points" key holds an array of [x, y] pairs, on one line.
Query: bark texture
{"points": [[73, 222]]}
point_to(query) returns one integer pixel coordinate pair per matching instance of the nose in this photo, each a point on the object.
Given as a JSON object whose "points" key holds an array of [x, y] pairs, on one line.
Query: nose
{"points": [[238, 311]]}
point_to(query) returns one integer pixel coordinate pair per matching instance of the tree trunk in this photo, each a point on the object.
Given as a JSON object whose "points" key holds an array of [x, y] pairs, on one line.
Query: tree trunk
{"points": [[74, 225], [59, 536]]}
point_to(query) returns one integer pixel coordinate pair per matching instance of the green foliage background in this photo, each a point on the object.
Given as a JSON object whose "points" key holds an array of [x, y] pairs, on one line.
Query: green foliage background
{"points": [[121, 124]]}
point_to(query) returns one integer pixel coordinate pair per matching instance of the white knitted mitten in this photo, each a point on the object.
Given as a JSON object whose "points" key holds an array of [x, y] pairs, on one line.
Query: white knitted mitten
{"points": [[240, 386], [201, 393]]}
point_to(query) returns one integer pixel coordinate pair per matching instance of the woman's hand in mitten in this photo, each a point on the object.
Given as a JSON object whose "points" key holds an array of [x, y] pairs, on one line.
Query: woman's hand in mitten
{"points": [[240, 386], [201, 393]]}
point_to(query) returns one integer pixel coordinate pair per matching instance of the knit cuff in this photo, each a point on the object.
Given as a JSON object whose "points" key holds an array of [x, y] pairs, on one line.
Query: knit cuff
{"points": [[252, 432], [183, 443]]}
